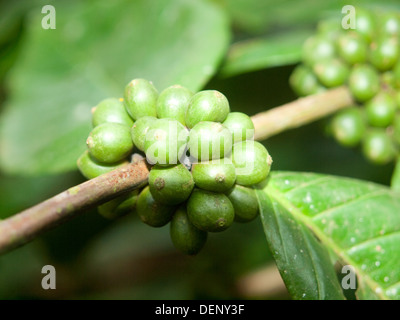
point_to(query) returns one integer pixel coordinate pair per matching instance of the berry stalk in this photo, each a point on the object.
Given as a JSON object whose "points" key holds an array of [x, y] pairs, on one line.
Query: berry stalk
{"points": [[300, 112], [27, 225]]}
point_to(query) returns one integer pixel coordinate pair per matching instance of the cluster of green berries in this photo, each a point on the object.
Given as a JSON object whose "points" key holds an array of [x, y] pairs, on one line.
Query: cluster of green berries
{"points": [[367, 60], [204, 162]]}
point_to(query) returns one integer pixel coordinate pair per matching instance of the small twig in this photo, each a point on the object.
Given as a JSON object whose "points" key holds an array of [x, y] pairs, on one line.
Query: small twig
{"points": [[300, 112], [25, 226]]}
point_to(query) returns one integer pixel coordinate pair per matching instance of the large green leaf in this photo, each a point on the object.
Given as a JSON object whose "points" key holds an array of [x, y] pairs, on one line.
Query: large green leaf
{"points": [[257, 17], [256, 54], [359, 222], [96, 48], [280, 27]]}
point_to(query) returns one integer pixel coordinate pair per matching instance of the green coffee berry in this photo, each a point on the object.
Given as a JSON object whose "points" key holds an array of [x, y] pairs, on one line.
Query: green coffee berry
{"points": [[207, 105], [152, 212], [139, 130], [110, 142], [352, 47], [252, 162], [170, 185], [119, 206], [378, 147], [304, 82], [173, 103], [331, 72], [111, 110], [396, 74], [90, 168], [389, 24], [397, 98], [348, 127], [184, 235], [317, 48], [381, 110], [209, 140], [388, 79], [245, 203], [165, 142], [240, 125], [329, 28], [140, 98], [209, 211], [364, 82], [365, 24], [384, 53], [217, 175], [396, 129]]}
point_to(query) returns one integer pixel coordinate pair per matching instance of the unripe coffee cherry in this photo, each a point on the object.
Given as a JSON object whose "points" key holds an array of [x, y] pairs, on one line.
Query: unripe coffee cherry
{"points": [[90, 168], [381, 110], [397, 98], [209, 140], [352, 47], [139, 130], [165, 142], [245, 203], [184, 235], [364, 82], [304, 82], [384, 53], [140, 98], [207, 105], [209, 211], [389, 24], [173, 103], [378, 147], [119, 206], [317, 48], [240, 125], [110, 110], [396, 129], [331, 72], [170, 185], [152, 212], [388, 79], [348, 127], [329, 28], [365, 24], [396, 74], [252, 162], [110, 142], [216, 175]]}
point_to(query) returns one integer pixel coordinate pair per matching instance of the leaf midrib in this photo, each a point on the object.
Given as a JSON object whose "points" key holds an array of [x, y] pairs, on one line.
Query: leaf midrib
{"points": [[297, 214]]}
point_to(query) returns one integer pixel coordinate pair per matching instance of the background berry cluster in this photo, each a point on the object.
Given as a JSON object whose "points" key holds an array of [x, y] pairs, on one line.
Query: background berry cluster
{"points": [[366, 59], [204, 162]]}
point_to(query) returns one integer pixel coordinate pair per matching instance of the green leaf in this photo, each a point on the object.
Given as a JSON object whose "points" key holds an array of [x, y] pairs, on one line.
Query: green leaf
{"points": [[303, 262], [358, 221], [95, 50], [257, 17], [260, 53]]}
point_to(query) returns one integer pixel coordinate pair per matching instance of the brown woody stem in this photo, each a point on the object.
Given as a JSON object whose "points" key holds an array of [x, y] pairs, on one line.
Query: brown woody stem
{"points": [[27, 225]]}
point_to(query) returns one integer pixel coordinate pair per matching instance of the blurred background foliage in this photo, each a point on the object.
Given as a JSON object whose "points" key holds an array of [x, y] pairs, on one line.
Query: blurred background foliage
{"points": [[49, 80]]}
